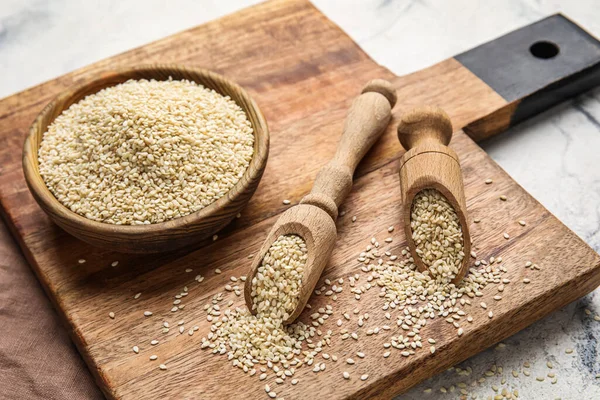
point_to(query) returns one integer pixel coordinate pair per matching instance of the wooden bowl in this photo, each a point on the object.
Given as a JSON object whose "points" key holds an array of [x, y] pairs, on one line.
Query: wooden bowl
{"points": [[164, 236]]}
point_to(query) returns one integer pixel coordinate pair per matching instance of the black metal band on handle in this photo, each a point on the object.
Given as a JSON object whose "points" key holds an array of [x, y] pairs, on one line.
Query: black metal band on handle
{"points": [[536, 67]]}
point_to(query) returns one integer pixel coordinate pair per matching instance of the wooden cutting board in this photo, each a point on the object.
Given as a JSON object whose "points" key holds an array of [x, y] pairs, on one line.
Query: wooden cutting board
{"points": [[303, 71]]}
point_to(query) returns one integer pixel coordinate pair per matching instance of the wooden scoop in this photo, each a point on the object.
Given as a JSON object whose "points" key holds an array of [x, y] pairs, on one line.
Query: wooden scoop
{"points": [[314, 218], [430, 164]]}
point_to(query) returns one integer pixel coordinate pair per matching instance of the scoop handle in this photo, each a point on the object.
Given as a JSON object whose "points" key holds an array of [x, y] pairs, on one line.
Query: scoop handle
{"points": [[366, 121], [424, 125]]}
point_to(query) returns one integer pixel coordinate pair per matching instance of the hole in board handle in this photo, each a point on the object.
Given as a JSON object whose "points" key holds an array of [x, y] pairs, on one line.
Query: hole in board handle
{"points": [[544, 50]]}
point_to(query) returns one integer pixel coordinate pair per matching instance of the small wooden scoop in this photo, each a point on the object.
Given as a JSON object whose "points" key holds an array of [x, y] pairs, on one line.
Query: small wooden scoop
{"points": [[430, 164], [314, 218]]}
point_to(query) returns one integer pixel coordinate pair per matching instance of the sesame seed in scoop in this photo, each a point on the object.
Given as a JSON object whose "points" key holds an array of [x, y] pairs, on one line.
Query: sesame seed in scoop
{"points": [[437, 234], [277, 283]]}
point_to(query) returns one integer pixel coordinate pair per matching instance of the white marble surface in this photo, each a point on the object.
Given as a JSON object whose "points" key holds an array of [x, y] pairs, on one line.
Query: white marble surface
{"points": [[554, 156]]}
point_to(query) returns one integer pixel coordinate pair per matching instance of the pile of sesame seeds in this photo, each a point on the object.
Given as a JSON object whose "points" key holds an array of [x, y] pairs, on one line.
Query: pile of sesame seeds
{"points": [[419, 298], [437, 234], [144, 152], [257, 342]]}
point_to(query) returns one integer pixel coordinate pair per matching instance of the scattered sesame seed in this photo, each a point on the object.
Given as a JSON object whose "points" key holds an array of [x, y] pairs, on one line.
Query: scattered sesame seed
{"points": [[137, 296], [506, 236], [147, 313], [286, 202], [136, 349], [162, 367], [503, 198], [364, 377], [354, 218], [522, 223], [380, 275], [81, 261], [346, 375], [526, 280], [153, 357], [488, 181], [111, 315], [114, 263]]}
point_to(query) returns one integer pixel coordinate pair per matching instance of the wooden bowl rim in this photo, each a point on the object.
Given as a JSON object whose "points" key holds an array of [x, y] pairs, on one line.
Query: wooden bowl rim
{"points": [[51, 205]]}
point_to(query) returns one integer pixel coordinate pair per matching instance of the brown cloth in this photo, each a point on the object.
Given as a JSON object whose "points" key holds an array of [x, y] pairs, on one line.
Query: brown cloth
{"points": [[37, 358]]}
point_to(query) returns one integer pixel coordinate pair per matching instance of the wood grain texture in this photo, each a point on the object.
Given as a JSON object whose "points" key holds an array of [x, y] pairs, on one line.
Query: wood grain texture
{"points": [[165, 236], [367, 119], [429, 163], [303, 72]]}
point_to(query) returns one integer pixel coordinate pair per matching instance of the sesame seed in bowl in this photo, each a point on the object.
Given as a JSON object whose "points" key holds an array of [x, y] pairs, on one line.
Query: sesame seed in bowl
{"points": [[147, 159]]}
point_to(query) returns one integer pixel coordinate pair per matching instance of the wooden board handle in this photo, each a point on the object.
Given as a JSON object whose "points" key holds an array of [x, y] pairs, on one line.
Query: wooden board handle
{"points": [[532, 69], [367, 119]]}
